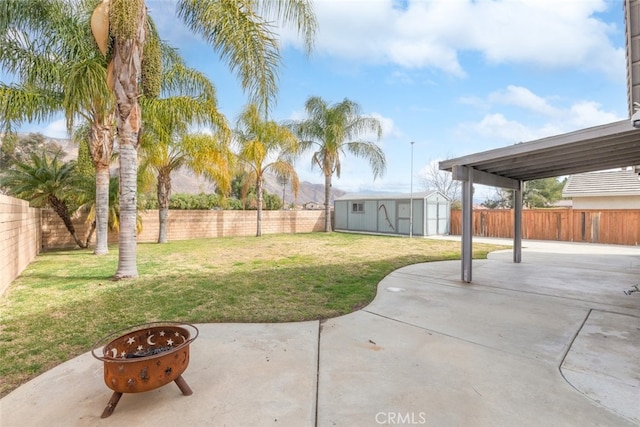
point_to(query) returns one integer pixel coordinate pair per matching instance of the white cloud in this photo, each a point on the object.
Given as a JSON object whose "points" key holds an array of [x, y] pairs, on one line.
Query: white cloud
{"points": [[56, 129], [543, 117], [585, 114], [389, 129], [543, 33], [524, 98], [497, 126]]}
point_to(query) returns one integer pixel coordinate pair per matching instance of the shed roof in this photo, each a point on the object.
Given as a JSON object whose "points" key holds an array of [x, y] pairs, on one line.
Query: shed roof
{"points": [[598, 184], [389, 196]]}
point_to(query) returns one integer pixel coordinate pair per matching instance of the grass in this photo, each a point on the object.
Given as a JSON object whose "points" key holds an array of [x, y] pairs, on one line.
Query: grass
{"points": [[65, 300]]}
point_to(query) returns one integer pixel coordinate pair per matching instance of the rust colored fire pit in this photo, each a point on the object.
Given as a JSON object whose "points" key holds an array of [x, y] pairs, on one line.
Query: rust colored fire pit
{"points": [[145, 357]]}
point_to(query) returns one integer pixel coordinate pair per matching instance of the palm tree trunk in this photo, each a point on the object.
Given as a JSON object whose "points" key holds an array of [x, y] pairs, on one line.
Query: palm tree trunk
{"points": [[101, 147], [91, 231], [60, 208], [164, 192], [327, 203], [127, 266], [259, 197], [127, 58], [102, 210]]}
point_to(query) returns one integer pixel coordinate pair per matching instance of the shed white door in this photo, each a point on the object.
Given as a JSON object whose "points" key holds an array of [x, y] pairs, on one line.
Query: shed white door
{"points": [[432, 218], [443, 218]]}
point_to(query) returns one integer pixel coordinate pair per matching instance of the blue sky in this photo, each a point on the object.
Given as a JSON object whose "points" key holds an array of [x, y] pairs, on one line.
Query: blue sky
{"points": [[455, 76]]}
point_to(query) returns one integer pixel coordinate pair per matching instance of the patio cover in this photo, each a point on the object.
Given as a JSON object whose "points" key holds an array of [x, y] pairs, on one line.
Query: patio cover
{"points": [[614, 145], [608, 146]]}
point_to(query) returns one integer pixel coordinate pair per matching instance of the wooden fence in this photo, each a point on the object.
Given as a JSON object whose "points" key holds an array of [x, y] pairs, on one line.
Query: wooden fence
{"points": [[620, 227]]}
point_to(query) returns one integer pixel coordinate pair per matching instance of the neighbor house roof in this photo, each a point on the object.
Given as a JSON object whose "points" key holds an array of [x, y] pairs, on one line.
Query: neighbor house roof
{"points": [[387, 196], [598, 184]]}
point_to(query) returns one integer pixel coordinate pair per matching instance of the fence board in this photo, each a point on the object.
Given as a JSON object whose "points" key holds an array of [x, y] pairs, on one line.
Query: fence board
{"points": [[620, 226]]}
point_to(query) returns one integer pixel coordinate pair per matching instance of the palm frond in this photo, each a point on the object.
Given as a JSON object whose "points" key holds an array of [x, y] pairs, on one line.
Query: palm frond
{"points": [[243, 39], [26, 103]]}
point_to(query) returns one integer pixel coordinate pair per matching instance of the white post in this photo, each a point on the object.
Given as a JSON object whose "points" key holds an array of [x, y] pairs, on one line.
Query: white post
{"points": [[411, 197]]}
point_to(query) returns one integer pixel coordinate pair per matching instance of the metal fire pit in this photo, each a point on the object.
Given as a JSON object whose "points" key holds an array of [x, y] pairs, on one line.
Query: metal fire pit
{"points": [[145, 357]]}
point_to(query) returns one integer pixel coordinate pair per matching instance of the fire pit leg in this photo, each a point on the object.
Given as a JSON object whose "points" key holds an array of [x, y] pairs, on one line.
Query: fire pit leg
{"points": [[183, 386], [115, 397]]}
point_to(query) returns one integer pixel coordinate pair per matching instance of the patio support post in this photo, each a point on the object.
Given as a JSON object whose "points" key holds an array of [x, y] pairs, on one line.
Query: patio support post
{"points": [[467, 225], [517, 223]]}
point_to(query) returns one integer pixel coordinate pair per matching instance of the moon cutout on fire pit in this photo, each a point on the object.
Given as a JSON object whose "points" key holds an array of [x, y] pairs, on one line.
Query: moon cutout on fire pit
{"points": [[149, 340]]}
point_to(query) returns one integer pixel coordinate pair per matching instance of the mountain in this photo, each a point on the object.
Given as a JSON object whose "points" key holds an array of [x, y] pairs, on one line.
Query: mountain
{"points": [[307, 192], [184, 181]]}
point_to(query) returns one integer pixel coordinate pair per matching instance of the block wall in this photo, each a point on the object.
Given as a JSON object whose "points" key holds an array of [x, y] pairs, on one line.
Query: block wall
{"points": [[20, 238], [184, 225]]}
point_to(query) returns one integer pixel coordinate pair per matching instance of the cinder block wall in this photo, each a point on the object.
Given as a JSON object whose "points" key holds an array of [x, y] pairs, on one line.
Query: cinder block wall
{"points": [[20, 238], [184, 225]]}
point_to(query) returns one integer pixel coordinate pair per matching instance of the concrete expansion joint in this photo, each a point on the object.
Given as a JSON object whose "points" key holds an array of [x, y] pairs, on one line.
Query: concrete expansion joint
{"points": [[582, 375], [573, 339], [317, 390], [454, 337]]}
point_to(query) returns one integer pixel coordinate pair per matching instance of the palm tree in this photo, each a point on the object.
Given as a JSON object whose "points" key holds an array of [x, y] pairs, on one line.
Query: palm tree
{"points": [[167, 145], [47, 181], [126, 22], [333, 129], [265, 145], [46, 44], [241, 32]]}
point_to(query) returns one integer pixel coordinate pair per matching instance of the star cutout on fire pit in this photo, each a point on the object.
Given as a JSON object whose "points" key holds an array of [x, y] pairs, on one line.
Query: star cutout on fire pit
{"points": [[161, 333], [131, 340], [169, 341], [140, 348]]}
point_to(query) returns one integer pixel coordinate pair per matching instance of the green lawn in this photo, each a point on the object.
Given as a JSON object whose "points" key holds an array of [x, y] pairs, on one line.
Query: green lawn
{"points": [[65, 301]]}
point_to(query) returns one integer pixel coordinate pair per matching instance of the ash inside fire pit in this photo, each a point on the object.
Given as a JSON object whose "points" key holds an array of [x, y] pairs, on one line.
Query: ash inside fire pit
{"points": [[146, 353], [146, 342]]}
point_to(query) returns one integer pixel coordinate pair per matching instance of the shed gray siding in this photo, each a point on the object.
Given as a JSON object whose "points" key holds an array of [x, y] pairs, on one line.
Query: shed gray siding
{"points": [[386, 214], [391, 214], [340, 214]]}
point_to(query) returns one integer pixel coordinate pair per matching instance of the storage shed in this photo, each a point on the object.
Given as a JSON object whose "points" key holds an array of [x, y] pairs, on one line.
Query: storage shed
{"points": [[392, 213]]}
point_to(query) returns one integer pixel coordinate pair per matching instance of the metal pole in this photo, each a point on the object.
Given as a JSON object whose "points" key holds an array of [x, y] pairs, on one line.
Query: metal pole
{"points": [[517, 223], [467, 226], [411, 197]]}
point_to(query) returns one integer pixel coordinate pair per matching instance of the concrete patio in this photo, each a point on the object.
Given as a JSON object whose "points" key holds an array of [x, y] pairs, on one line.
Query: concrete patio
{"points": [[551, 341]]}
